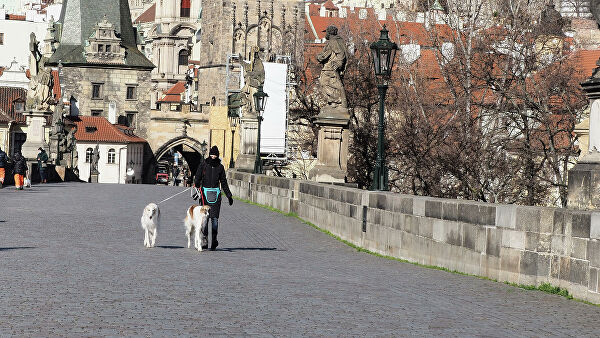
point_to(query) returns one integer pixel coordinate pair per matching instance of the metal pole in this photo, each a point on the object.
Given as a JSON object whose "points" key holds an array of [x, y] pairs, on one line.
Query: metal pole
{"points": [[258, 162], [380, 176], [231, 162]]}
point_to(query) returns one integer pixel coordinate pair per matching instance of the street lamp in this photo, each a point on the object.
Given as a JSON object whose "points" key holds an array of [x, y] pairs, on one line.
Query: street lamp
{"points": [[260, 101], [384, 54], [233, 120]]}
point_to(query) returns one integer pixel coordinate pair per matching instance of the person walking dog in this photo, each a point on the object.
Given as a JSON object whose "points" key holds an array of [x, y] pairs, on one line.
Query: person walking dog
{"points": [[42, 159], [209, 176], [3, 160], [20, 170]]}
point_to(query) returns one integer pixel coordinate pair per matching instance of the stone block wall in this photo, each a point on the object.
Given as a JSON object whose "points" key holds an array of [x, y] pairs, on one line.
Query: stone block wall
{"points": [[519, 244]]}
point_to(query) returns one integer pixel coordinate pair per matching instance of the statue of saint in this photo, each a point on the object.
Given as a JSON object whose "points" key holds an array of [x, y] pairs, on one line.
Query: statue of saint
{"points": [[333, 57], [254, 77], [41, 84], [95, 159]]}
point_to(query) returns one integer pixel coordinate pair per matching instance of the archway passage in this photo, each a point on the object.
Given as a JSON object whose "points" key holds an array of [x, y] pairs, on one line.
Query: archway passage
{"points": [[181, 155]]}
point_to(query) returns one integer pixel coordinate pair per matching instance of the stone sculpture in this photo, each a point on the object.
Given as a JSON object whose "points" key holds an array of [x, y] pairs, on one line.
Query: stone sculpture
{"points": [[333, 57], [39, 96], [95, 160], [254, 77]]}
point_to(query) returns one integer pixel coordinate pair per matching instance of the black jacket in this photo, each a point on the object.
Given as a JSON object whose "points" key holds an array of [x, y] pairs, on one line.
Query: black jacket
{"points": [[2, 159], [20, 164], [211, 174]]}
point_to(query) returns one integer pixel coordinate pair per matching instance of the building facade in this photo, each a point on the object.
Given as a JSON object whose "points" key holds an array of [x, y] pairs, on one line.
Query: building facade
{"points": [[234, 27], [102, 72]]}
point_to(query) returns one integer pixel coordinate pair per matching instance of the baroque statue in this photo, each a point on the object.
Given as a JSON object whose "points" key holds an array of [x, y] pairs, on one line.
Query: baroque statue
{"points": [[333, 57], [254, 77], [39, 96], [95, 159]]}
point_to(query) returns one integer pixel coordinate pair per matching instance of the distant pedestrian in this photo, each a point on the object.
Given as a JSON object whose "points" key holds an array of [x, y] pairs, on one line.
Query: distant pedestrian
{"points": [[209, 177], [42, 159], [3, 160], [20, 170]]}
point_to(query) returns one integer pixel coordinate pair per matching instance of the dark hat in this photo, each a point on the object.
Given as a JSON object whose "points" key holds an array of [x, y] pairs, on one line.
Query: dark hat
{"points": [[214, 151], [40, 148], [331, 30]]}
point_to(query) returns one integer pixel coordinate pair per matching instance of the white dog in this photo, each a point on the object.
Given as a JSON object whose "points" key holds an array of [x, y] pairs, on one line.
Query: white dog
{"points": [[150, 222], [196, 219]]}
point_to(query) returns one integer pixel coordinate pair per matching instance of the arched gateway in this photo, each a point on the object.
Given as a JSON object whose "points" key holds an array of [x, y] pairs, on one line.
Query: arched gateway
{"points": [[192, 150]]}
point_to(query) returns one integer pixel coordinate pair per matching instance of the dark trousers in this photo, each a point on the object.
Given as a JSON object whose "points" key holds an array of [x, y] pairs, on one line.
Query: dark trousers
{"points": [[214, 232], [42, 174]]}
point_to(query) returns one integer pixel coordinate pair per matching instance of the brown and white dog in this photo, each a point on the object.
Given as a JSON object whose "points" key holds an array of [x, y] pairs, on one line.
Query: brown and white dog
{"points": [[150, 222], [196, 218]]}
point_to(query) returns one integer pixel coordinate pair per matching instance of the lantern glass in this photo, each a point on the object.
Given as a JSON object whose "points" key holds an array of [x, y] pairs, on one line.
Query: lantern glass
{"points": [[384, 53], [260, 101]]}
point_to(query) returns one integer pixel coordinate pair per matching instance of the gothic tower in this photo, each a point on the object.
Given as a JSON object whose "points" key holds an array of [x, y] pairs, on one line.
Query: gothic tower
{"points": [[101, 70]]}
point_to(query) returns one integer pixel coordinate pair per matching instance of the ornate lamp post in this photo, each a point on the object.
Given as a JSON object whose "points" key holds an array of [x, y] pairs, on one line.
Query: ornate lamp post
{"points": [[384, 54], [260, 100]]}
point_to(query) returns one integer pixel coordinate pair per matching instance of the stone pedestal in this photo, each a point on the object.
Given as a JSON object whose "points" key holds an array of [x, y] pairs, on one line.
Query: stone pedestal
{"points": [[584, 183], [584, 177], [36, 120], [332, 151], [94, 177], [248, 137]]}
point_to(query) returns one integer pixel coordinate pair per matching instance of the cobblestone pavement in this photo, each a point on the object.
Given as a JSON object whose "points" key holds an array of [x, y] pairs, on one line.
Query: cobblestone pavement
{"points": [[72, 263]]}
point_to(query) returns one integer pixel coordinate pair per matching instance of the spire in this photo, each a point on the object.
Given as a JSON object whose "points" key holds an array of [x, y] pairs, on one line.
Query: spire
{"points": [[79, 19]]}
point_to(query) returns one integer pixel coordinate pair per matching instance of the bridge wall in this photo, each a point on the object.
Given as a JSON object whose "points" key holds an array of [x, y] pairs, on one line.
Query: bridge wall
{"points": [[525, 245]]}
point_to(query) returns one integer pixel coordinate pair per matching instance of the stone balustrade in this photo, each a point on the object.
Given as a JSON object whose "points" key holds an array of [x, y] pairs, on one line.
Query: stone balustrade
{"points": [[519, 244]]}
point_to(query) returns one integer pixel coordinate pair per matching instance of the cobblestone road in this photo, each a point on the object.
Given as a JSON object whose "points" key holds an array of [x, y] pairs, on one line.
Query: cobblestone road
{"points": [[72, 263]]}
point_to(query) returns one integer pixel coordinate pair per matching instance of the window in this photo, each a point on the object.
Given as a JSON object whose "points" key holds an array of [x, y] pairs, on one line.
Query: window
{"points": [[108, 48], [100, 48], [111, 156], [19, 106], [96, 90], [89, 152], [131, 119], [183, 57], [1, 38], [185, 9], [131, 92], [96, 112]]}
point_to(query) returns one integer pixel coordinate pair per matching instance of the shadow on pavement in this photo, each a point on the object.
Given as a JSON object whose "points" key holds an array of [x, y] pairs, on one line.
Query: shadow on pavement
{"points": [[17, 248], [169, 247], [248, 249]]}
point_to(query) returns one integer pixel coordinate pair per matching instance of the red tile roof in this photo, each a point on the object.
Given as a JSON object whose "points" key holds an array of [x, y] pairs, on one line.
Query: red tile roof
{"points": [[104, 131], [15, 17], [329, 5], [587, 60], [174, 93], [56, 88], [8, 95], [148, 16]]}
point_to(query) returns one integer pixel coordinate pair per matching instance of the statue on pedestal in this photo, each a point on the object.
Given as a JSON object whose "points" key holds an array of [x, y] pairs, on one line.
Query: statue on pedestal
{"points": [[39, 96], [95, 160], [333, 57], [254, 77]]}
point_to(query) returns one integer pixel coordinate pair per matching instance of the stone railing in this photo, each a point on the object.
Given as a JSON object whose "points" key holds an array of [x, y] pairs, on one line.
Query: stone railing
{"points": [[525, 245]]}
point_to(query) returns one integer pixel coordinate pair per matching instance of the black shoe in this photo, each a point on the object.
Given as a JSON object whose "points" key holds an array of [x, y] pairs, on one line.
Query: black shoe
{"points": [[204, 247], [214, 245]]}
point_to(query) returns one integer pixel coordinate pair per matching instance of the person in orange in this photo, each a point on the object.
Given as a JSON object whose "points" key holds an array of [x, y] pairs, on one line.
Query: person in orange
{"points": [[2, 167], [20, 170]]}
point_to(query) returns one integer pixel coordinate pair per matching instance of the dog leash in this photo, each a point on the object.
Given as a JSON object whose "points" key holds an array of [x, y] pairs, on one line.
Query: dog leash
{"points": [[179, 193]]}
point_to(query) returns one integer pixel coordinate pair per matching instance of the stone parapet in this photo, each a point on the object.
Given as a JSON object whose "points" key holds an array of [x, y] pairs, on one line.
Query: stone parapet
{"points": [[519, 244]]}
